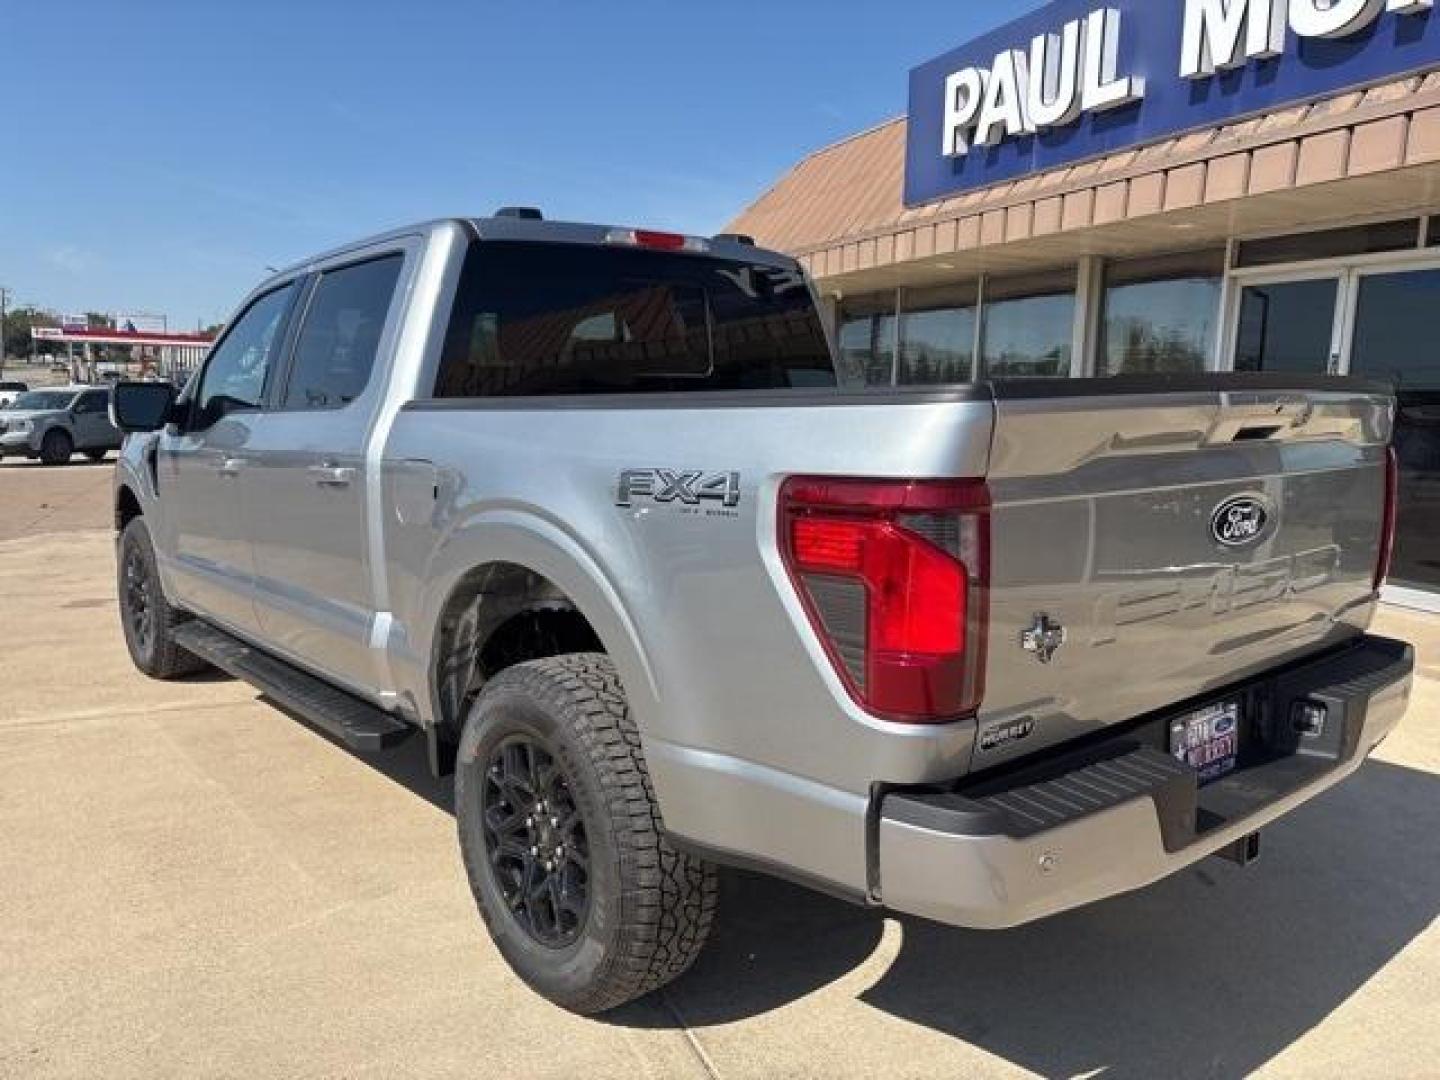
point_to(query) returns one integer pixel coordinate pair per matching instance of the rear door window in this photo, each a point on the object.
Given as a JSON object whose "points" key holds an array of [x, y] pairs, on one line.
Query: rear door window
{"points": [[548, 318], [340, 337]]}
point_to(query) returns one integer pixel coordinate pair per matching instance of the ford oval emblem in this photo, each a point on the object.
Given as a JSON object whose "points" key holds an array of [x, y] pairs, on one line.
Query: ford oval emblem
{"points": [[1239, 521]]}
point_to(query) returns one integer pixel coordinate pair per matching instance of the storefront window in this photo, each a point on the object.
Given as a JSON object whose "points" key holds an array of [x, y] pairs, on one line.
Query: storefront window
{"points": [[867, 338], [1330, 243], [1028, 326], [937, 335], [1160, 315]]}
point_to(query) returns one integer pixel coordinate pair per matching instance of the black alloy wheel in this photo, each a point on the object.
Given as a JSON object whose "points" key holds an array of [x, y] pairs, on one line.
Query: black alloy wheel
{"points": [[535, 841], [137, 596], [146, 617]]}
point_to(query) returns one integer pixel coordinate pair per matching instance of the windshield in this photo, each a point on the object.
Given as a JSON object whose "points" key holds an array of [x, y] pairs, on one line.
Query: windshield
{"points": [[44, 400]]}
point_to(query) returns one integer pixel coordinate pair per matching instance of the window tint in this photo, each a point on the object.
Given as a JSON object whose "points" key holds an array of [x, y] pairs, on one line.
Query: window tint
{"points": [[1286, 326], [43, 399], [1330, 244], [1028, 326], [539, 319], [1160, 314], [234, 377], [335, 351], [96, 401], [937, 335], [867, 338], [1394, 326]]}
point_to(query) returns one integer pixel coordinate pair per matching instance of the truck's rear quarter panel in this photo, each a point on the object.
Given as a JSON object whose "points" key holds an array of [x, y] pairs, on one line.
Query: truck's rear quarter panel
{"points": [[746, 723]]}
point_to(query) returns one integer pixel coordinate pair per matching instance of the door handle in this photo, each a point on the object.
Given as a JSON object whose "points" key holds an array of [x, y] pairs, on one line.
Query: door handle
{"points": [[230, 466], [331, 475]]}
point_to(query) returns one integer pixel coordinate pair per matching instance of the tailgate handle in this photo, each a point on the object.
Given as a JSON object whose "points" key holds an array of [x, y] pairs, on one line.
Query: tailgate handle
{"points": [[1257, 433], [1252, 420]]}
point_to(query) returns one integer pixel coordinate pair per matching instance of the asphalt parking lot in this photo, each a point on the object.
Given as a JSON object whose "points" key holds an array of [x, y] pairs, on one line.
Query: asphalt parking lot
{"points": [[194, 884]]}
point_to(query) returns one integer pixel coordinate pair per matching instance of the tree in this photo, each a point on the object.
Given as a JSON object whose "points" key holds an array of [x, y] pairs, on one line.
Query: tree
{"points": [[18, 324]]}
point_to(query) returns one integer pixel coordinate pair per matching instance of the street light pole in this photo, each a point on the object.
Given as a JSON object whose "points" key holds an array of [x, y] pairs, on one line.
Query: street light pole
{"points": [[4, 296]]}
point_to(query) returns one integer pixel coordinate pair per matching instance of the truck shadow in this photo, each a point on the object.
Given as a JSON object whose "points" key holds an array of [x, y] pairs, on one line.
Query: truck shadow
{"points": [[1212, 972]]}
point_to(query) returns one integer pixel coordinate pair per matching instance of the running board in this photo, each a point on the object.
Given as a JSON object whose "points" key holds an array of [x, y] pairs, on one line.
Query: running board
{"points": [[355, 723]]}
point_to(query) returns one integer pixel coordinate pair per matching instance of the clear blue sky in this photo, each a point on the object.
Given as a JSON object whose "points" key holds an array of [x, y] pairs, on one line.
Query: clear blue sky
{"points": [[157, 155]]}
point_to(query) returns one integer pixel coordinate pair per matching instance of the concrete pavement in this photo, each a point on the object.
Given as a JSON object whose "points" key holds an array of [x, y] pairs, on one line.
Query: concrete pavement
{"points": [[192, 884]]}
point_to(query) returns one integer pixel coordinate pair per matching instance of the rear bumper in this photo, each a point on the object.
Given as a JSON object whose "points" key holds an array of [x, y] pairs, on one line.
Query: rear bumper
{"points": [[1120, 814]]}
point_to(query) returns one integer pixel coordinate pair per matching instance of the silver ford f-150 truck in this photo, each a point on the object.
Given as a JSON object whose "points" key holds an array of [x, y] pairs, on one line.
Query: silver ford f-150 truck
{"points": [[592, 512]]}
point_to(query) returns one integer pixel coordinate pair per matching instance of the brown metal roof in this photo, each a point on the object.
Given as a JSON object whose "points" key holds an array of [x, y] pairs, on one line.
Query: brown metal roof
{"points": [[841, 208], [849, 187]]}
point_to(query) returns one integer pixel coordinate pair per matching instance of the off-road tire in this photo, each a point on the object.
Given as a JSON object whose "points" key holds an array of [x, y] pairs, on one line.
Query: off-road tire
{"points": [[153, 649], [56, 447], [649, 906]]}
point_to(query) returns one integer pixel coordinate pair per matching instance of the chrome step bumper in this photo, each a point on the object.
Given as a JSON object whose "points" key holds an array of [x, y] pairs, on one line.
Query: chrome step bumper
{"points": [[1117, 815]]}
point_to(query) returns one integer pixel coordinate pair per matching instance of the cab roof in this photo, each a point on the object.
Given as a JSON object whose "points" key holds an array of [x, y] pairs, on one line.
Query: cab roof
{"points": [[507, 226]]}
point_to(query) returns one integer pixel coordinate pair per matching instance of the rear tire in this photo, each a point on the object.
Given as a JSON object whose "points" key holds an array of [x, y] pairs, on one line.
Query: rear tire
{"points": [[146, 616], [96, 455], [56, 447], [563, 843]]}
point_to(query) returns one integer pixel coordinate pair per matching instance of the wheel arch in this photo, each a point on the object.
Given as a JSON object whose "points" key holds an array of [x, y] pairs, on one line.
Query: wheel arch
{"points": [[127, 506], [509, 576]]}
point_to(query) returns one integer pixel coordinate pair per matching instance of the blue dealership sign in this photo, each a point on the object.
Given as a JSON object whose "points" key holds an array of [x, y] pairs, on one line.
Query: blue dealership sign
{"points": [[1079, 79]]}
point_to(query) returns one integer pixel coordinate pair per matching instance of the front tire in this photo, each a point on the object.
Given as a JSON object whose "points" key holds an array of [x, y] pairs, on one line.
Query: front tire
{"points": [[56, 447], [96, 456], [146, 616], [563, 843]]}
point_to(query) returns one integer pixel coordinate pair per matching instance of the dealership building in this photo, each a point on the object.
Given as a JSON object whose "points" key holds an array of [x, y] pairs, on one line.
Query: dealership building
{"points": [[1151, 186]]}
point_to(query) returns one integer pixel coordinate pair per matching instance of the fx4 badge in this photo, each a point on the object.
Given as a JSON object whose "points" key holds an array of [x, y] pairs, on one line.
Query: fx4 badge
{"points": [[686, 487], [1043, 638]]}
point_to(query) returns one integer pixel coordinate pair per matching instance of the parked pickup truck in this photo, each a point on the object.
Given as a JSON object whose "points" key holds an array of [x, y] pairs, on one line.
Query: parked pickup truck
{"points": [[592, 512]]}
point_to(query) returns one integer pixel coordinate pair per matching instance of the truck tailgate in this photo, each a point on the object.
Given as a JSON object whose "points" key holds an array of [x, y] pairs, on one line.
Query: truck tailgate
{"points": [[1151, 544]]}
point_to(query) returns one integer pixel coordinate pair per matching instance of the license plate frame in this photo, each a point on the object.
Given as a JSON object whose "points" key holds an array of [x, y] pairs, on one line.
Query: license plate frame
{"points": [[1208, 739]]}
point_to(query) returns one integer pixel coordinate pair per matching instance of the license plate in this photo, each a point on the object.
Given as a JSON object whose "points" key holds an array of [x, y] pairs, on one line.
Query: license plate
{"points": [[1208, 740]]}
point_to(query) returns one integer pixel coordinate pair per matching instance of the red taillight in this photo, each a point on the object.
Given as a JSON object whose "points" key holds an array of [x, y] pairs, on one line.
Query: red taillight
{"points": [[1387, 522], [894, 577]]}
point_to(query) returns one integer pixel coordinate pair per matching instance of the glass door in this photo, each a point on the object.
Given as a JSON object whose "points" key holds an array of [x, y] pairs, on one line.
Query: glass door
{"points": [[1395, 325], [1289, 325]]}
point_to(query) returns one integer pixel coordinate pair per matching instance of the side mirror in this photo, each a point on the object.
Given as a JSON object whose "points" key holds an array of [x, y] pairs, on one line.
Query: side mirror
{"points": [[142, 406]]}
